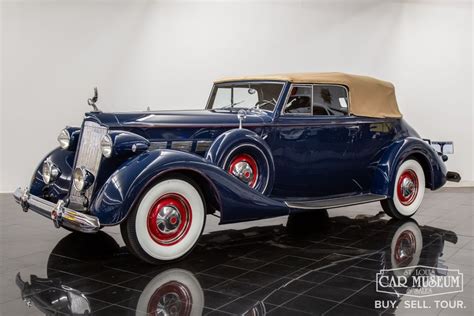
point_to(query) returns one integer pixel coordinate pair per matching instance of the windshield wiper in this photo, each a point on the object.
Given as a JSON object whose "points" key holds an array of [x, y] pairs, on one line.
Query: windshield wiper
{"points": [[230, 106]]}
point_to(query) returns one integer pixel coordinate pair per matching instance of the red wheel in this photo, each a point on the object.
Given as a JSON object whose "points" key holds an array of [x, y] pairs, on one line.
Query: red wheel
{"points": [[407, 187], [408, 190], [405, 247], [172, 298], [172, 292], [169, 219], [244, 167]]}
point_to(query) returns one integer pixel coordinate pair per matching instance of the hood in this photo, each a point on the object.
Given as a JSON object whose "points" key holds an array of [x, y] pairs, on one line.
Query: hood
{"points": [[179, 118]]}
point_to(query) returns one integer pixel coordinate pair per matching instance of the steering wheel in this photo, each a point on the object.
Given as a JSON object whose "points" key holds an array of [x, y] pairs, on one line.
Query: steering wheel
{"points": [[264, 102]]}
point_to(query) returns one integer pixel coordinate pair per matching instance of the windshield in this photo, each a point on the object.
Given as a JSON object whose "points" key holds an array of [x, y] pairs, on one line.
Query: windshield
{"points": [[245, 95]]}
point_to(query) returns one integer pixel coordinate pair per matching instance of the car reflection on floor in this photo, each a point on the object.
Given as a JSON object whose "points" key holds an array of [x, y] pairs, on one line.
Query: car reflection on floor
{"points": [[333, 261]]}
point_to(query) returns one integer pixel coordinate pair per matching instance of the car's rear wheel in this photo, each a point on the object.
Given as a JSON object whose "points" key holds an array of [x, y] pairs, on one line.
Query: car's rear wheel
{"points": [[406, 244], [167, 222], [408, 191]]}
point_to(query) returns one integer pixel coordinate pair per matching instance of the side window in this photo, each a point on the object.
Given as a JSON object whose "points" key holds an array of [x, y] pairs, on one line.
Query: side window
{"points": [[300, 100], [330, 100]]}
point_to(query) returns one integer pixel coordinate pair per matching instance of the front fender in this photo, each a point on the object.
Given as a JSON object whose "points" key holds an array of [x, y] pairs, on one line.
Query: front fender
{"points": [[123, 189], [393, 157], [64, 160]]}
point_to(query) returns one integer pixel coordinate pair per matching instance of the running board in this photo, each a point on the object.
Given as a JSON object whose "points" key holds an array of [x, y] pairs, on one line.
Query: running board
{"points": [[334, 202]]}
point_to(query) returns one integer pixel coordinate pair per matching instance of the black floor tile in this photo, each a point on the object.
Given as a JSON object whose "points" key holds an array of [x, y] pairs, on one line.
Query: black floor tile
{"points": [[282, 311], [316, 276], [298, 286], [245, 263], [257, 278], [235, 288], [208, 281], [332, 293], [117, 311], [138, 283], [275, 296], [114, 294], [309, 304], [346, 282], [274, 269], [244, 305], [360, 273], [344, 309], [214, 300], [297, 262], [225, 272], [113, 276]]}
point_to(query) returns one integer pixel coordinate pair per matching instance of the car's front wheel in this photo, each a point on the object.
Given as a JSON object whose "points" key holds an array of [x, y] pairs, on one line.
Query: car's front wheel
{"points": [[167, 222], [408, 191]]}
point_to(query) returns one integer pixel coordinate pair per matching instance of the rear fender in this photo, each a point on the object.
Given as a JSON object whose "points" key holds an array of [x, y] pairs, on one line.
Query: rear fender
{"points": [[393, 157], [236, 201]]}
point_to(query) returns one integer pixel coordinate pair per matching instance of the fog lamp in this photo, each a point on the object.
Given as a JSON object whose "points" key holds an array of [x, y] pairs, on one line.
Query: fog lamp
{"points": [[50, 172], [82, 179]]}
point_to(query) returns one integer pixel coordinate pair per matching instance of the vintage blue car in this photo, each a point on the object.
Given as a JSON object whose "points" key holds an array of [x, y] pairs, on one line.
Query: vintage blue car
{"points": [[264, 146]]}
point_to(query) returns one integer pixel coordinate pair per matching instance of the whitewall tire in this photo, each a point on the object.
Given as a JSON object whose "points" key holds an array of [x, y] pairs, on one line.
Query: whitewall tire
{"points": [[408, 190], [167, 222], [405, 248], [173, 292]]}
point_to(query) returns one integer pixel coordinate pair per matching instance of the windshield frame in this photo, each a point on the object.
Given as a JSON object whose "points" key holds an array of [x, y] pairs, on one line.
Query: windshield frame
{"points": [[230, 83]]}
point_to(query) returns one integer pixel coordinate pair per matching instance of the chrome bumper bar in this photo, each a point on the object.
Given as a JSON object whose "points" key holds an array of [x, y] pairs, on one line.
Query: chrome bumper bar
{"points": [[60, 215]]}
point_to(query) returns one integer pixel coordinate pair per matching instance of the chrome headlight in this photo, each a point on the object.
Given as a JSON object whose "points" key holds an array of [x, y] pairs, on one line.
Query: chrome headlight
{"points": [[106, 146], [82, 179], [49, 171], [64, 139]]}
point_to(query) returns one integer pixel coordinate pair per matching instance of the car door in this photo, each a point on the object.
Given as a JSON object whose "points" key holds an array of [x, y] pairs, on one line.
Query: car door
{"points": [[313, 144]]}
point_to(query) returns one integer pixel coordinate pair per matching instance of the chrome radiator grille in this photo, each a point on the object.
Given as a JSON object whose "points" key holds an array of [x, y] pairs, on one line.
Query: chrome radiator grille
{"points": [[88, 156]]}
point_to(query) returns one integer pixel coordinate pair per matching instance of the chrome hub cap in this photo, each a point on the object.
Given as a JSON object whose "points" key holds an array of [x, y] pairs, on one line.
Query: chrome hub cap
{"points": [[245, 168], [169, 304], [172, 298], [407, 187], [168, 219], [243, 171], [405, 247]]}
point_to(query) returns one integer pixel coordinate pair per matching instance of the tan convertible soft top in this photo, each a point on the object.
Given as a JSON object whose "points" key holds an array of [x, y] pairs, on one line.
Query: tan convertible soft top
{"points": [[367, 96]]}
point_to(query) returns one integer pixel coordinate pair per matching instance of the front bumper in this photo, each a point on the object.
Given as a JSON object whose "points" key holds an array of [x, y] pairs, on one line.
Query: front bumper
{"points": [[60, 215]]}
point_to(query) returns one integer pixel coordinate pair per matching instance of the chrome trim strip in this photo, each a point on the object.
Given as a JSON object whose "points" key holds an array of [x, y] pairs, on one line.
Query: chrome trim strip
{"points": [[182, 145], [203, 145], [335, 202], [158, 145], [66, 217]]}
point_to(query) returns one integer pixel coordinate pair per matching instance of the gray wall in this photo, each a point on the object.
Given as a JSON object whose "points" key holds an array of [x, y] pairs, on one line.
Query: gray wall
{"points": [[165, 54]]}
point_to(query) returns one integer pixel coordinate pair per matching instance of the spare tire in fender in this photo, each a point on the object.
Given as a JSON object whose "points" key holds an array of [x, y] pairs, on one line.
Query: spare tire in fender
{"points": [[245, 155]]}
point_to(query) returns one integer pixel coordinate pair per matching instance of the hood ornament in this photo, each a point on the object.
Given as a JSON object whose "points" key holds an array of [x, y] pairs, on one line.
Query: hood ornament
{"points": [[241, 115], [93, 100]]}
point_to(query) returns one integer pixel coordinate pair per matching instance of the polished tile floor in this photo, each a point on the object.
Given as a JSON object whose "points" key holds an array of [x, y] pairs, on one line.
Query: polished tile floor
{"points": [[318, 263]]}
